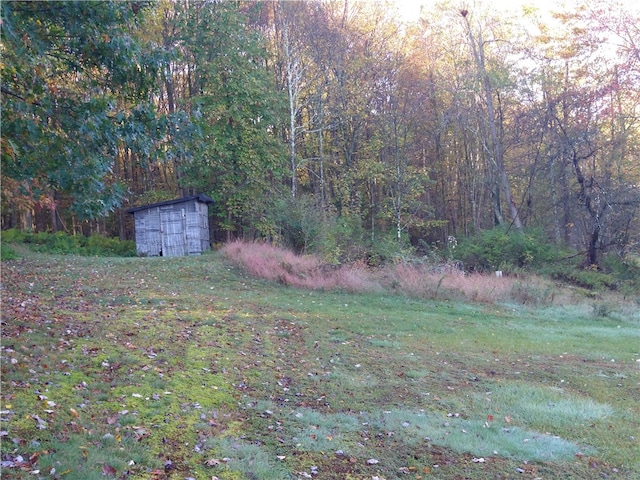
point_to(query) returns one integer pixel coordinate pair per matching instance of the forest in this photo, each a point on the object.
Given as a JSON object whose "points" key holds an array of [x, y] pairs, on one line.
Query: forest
{"points": [[336, 127]]}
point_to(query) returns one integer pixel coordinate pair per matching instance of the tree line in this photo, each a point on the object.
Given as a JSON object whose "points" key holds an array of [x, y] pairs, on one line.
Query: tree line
{"points": [[326, 124]]}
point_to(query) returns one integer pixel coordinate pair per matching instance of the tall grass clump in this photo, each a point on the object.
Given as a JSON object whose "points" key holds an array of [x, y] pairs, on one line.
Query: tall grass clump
{"points": [[419, 280], [303, 271], [448, 281]]}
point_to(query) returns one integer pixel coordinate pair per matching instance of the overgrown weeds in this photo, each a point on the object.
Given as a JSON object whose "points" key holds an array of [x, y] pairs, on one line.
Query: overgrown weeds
{"points": [[446, 280]]}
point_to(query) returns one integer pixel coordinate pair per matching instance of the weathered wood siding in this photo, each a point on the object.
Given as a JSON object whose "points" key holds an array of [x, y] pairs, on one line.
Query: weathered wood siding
{"points": [[172, 229], [148, 232]]}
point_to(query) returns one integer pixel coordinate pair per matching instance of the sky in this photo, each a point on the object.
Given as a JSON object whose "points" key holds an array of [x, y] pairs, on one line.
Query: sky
{"points": [[410, 9]]}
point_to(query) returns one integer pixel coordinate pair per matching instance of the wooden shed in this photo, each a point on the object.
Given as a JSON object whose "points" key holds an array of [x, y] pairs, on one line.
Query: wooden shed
{"points": [[173, 228]]}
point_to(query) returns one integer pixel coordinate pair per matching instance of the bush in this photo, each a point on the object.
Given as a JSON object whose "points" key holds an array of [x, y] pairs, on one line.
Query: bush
{"points": [[586, 278], [7, 253], [626, 270], [385, 248], [63, 243], [502, 249], [13, 235], [58, 242], [105, 246], [300, 223]]}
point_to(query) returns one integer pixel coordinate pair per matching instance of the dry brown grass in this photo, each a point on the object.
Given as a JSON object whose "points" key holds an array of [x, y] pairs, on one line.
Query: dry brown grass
{"points": [[302, 271], [445, 281]]}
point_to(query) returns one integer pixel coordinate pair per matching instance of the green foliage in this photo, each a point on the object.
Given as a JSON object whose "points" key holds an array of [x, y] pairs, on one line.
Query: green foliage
{"points": [[103, 246], [502, 249], [62, 243], [510, 251], [345, 241], [236, 156], [301, 224], [68, 70], [7, 253], [385, 248], [625, 270], [591, 279], [13, 235]]}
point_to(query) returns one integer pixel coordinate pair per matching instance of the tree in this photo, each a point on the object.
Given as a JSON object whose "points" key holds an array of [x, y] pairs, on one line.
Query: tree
{"points": [[237, 159], [493, 138], [68, 67], [588, 134]]}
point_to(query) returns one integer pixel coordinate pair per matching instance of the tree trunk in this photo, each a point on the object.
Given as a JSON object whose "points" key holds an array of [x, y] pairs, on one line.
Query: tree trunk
{"points": [[494, 141]]}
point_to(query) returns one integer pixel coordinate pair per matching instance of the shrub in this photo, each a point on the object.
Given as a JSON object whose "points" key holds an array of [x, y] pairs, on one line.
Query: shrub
{"points": [[385, 248], [590, 279], [63, 243], [58, 242], [601, 310], [345, 236], [7, 253], [626, 270], [300, 225], [102, 246], [13, 235], [533, 291], [503, 249]]}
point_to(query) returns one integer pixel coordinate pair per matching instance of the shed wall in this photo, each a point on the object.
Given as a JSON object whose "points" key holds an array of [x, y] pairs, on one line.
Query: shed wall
{"points": [[173, 230]]}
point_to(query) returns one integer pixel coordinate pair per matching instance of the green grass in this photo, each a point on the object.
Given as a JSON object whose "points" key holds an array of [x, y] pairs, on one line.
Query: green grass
{"points": [[186, 367]]}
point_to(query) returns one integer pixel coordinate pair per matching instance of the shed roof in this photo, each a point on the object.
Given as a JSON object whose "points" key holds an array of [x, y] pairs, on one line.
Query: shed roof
{"points": [[200, 198]]}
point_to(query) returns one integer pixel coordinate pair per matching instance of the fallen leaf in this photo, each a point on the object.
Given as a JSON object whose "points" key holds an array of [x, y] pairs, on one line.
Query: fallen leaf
{"points": [[108, 470], [372, 461], [42, 424]]}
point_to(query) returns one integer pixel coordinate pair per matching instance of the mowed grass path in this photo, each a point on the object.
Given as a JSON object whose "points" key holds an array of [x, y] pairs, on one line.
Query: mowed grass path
{"points": [[186, 368]]}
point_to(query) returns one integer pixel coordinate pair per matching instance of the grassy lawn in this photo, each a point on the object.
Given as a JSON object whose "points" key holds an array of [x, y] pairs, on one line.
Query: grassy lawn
{"points": [[183, 368]]}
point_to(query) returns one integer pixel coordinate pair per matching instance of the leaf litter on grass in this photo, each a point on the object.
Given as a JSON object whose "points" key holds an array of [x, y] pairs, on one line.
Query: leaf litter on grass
{"points": [[172, 374]]}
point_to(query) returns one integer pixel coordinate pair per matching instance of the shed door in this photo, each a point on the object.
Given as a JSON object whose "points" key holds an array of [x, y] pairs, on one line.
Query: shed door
{"points": [[173, 233], [193, 233]]}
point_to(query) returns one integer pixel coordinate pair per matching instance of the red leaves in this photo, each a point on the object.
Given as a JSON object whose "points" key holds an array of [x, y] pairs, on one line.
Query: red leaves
{"points": [[108, 470]]}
